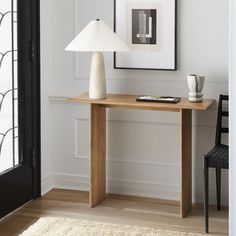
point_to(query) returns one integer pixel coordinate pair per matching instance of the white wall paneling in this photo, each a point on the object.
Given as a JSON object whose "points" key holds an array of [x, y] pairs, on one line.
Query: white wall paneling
{"points": [[198, 37], [143, 146], [138, 152]]}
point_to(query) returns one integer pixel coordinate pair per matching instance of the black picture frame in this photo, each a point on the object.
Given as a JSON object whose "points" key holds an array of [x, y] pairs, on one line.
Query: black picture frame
{"points": [[128, 55]]}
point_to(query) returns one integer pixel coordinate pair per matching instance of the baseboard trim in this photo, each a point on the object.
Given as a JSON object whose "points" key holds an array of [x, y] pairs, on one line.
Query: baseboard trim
{"points": [[46, 184], [127, 187]]}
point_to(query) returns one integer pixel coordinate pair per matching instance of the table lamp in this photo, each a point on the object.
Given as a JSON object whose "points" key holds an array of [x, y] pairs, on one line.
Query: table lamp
{"points": [[97, 37]]}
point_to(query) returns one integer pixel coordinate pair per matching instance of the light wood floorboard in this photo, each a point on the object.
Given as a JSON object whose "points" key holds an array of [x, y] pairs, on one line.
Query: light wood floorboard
{"points": [[114, 209]]}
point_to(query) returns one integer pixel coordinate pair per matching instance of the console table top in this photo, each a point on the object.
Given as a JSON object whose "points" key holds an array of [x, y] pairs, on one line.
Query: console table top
{"points": [[129, 101]]}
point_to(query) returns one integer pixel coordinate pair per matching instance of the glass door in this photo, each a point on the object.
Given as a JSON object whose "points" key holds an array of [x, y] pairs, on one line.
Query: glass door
{"points": [[9, 141], [19, 103]]}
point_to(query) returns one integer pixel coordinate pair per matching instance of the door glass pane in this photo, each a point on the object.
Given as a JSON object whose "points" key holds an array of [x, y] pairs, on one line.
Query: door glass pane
{"points": [[9, 157]]}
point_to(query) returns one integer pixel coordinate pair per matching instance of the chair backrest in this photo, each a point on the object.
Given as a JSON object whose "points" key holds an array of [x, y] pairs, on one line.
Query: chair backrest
{"points": [[221, 113]]}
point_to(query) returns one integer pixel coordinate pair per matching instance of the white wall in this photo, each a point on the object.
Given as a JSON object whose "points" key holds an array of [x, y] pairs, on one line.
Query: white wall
{"points": [[46, 77], [232, 70], [143, 146]]}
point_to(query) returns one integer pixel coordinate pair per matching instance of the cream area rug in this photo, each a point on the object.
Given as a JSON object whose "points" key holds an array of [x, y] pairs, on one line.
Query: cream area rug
{"points": [[48, 226]]}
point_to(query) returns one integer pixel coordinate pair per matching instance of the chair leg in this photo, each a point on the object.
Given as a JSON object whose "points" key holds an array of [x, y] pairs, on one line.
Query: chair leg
{"points": [[206, 194], [218, 186]]}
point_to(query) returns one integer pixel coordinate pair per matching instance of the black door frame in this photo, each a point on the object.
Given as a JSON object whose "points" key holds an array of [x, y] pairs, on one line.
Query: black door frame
{"points": [[22, 183], [36, 109], [29, 41]]}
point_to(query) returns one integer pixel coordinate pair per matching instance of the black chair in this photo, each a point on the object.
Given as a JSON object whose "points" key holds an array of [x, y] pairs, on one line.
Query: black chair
{"points": [[217, 157]]}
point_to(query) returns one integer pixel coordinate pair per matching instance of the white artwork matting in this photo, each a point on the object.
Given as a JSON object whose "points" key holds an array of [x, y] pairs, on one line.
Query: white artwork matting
{"points": [[149, 30]]}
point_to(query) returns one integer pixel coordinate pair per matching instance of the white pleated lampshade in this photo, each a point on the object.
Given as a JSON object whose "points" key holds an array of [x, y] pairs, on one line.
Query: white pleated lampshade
{"points": [[97, 37]]}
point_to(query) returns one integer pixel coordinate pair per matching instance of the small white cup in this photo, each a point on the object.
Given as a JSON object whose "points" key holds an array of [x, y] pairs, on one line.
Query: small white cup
{"points": [[195, 83]]}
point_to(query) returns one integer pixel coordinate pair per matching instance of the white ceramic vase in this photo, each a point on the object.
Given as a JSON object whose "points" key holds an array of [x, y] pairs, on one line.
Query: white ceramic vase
{"points": [[195, 84]]}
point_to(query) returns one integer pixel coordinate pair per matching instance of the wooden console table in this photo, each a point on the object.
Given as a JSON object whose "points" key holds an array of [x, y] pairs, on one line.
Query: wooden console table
{"points": [[97, 144]]}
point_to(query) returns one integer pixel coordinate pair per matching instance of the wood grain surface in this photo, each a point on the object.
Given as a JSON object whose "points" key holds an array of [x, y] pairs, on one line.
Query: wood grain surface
{"points": [[129, 101], [115, 209], [98, 140], [97, 149], [185, 162]]}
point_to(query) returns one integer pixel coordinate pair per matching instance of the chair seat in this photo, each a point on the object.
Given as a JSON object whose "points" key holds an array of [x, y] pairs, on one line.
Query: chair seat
{"points": [[218, 156]]}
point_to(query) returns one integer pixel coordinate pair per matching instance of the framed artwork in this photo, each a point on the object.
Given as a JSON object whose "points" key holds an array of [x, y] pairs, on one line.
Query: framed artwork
{"points": [[149, 29]]}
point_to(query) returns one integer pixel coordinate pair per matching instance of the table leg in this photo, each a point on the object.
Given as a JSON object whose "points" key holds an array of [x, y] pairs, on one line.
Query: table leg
{"points": [[97, 154], [186, 162]]}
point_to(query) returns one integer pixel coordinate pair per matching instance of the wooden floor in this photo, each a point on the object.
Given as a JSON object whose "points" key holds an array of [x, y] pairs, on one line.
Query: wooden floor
{"points": [[114, 209]]}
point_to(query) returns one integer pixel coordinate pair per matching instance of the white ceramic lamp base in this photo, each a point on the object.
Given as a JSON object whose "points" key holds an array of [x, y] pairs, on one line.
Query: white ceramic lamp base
{"points": [[97, 83]]}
